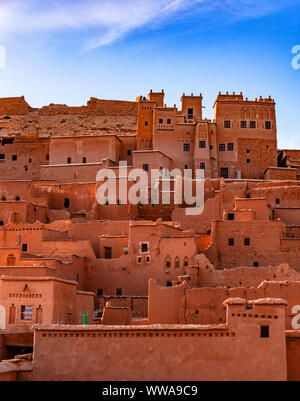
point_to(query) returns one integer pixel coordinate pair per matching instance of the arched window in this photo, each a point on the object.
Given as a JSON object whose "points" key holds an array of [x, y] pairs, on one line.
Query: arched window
{"points": [[177, 263], [17, 198], [167, 262], [185, 261], [10, 260]]}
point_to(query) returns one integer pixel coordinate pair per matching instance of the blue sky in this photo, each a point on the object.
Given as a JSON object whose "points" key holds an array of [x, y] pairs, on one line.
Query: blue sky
{"points": [[67, 51]]}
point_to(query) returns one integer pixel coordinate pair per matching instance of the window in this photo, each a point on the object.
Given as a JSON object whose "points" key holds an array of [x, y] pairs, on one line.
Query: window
{"points": [[125, 250], [264, 331], [119, 291], [169, 121], [146, 123], [186, 147], [243, 124], [17, 198], [211, 147], [99, 292], [1, 223], [30, 160], [230, 241], [230, 216], [106, 202], [247, 150], [26, 312], [169, 283], [177, 263], [66, 203], [222, 147], [202, 144], [2, 156], [119, 202], [202, 166], [252, 124], [277, 201], [230, 146], [267, 124], [84, 160], [107, 252], [10, 260], [148, 259], [227, 124], [190, 113], [24, 247], [14, 157], [224, 172], [248, 161], [128, 152], [144, 246], [168, 263], [139, 260], [247, 241], [146, 167], [47, 156], [69, 160], [255, 264], [160, 121]]}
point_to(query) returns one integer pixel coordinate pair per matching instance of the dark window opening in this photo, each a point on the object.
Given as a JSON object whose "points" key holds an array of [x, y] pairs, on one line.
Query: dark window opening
{"points": [[243, 124], [1, 223], [47, 157], [230, 146], [252, 124], [227, 124], [222, 147], [247, 150], [255, 264], [119, 291], [190, 113], [30, 160], [267, 124], [3, 198], [202, 166], [230, 216], [107, 252], [84, 160], [248, 161], [186, 147], [69, 160], [202, 144], [146, 123], [160, 121], [169, 121], [230, 241], [24, 247], [211, 147], [17, 198], [264, 331], [224, 172], [277, 201], [169, 283], [144, 247], [2, 156], [247, 241], [66, 202], [14, 157], [128, 152], [146, 167], [186, 166], [99, 292], [168, 263]]}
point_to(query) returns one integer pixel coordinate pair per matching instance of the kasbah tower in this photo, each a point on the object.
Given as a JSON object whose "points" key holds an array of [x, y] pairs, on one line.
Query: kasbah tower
{"points": [[144, 291]]}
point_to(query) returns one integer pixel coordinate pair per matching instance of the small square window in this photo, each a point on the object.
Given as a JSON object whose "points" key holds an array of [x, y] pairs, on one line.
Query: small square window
{"points": [[247, 150], [2, 156], [190, 113], [146, 123], [169, 121], [186, 147], [247, 241], [230, 146], [211, 147], [119, 291], [168, 263], [160, 121], [227, 124], [222, 147], [14, 158], [144, 247], [202, 166], [264, 331], [128, 152], [253, 124], [267, 124], [243, 124], [69, 160], [230, 216], [148, 259], [139, 260], [146, 167], [277, 201], [248, 161], [84, 160], [255, 264], [99, 292], [24, 247], [169, 283], [202, 144], [230, 241]]}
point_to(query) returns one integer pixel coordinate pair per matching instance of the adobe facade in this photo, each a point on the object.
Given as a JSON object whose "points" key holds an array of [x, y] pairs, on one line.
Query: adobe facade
{"points": [[114, 278]]}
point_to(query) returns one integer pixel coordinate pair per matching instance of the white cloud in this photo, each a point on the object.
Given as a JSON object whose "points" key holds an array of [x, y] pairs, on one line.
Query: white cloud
{"points": [[109, 20]]}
